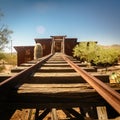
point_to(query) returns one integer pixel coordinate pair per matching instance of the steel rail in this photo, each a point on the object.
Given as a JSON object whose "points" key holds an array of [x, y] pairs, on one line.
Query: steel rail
{"points": [[21, 76], [110, 95]]}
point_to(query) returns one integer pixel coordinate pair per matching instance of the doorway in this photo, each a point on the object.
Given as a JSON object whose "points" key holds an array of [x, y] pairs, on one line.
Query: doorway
{"points": [[57, 46]]}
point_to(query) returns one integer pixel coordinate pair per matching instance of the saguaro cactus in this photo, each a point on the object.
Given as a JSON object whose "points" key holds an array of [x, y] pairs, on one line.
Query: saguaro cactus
{"points": [[38, 51]]}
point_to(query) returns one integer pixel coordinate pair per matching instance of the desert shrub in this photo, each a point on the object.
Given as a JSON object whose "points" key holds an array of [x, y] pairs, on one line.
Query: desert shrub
{"points": [[2, 55], [11, 59], [96, 54]]}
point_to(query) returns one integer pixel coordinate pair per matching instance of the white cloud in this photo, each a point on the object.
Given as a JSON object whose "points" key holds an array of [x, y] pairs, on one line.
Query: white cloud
{"points": [[41, 29]]}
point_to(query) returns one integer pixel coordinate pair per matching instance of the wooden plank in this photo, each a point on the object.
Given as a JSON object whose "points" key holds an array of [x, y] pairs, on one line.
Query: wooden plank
{"points": [[18, 69], [102, 113], [43, 115], [54, 115], [74, 85], [75, 113], [59, 91], [55, 62], [55, 69], [55, 88], [62, 76], [79, 86], [71, 74], [56, 65]]}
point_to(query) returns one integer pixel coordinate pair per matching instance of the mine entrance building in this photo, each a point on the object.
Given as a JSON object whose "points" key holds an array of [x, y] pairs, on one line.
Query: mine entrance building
{"points": [[58, 44], [50, 45]]}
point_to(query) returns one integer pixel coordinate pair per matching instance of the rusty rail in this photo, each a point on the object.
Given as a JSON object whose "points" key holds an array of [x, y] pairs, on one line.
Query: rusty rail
{"points": [[110, 95], [20, 77]]}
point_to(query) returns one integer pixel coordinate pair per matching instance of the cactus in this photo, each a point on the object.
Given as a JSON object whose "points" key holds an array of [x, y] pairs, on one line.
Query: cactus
{"points": [[38, 51]]}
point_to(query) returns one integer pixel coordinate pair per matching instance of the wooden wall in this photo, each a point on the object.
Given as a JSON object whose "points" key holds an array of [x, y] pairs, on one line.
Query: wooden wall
{"points": [[69, 45], [26, 53]]}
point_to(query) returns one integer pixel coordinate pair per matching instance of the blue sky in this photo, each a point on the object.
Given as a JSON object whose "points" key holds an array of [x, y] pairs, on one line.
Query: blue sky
{"points": [[86, 20]]}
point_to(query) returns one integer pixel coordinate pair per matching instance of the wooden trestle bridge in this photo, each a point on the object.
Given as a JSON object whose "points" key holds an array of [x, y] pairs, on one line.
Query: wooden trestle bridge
{"points": [[59, 82]]}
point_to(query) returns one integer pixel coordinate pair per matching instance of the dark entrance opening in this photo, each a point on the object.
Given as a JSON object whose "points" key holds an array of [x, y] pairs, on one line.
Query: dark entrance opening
{"points": [[57, 46]]}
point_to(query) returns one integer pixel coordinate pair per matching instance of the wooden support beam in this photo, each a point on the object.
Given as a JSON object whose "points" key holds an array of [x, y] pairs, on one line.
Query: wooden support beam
{"points": [[54, 114], [6, 112], [30, 114], [41, 117], [102, 113], [75, 113], [36, 114], [82, 111], [68, 115]]}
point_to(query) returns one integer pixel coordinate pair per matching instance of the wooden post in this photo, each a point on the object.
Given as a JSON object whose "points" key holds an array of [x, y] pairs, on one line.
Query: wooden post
{"points": [[43, 115], [102, 113], [63, 51], [75, 113], [54, 114], [52, 46], [36, 114]]}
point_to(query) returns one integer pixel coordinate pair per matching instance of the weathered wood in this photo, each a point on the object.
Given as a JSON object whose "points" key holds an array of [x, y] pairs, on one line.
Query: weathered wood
{"points": [[56, 78], [62, 69], [102, 113], [36, 113], [56, 65], [56, 62], [55, 88], [18, 69], [26, 65], [75, 113], [30, 114], [68, 115], [54, 114], [43, 115], [73, 85], [55, 69], [69, 77], [70, 74]]}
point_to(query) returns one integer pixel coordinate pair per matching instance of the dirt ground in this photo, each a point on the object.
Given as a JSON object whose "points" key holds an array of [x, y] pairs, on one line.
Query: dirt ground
{"points": [[7, 68]]}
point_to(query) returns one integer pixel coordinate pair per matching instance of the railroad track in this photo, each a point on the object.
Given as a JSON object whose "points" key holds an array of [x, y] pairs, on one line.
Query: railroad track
{"points": [[57, 82]]}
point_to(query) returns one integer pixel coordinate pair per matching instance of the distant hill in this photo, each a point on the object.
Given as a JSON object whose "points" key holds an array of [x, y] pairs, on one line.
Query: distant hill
{"points": [[116, 45], [108, 46]]}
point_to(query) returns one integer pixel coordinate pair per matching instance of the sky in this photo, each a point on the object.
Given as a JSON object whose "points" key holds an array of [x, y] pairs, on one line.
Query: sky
{"points": [[86, 20]]}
